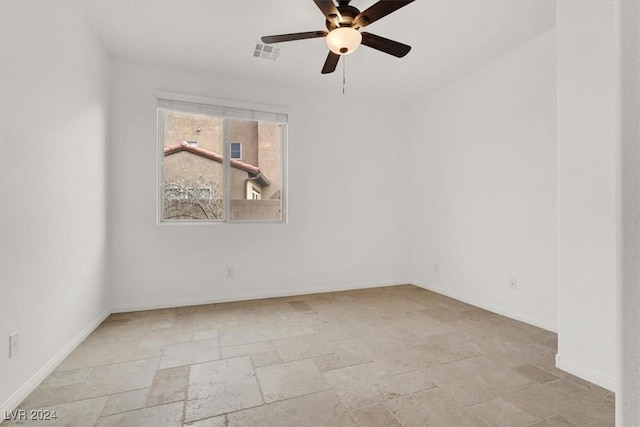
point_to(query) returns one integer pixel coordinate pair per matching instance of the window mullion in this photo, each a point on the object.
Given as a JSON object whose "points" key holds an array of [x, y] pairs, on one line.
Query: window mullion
{"points": [[226, 152]]}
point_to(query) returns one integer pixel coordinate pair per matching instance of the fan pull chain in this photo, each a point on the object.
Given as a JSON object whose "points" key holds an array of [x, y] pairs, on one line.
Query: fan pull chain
{"points": [[344, 79]]}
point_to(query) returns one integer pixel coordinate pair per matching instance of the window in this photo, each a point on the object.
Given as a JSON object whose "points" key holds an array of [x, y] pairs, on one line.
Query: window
{"points": [[255, 194], [236, 150], [217, 178]]}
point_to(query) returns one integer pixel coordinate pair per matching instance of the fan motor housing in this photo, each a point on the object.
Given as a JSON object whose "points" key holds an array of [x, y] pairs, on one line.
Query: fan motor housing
{"points": [[348, 14]]}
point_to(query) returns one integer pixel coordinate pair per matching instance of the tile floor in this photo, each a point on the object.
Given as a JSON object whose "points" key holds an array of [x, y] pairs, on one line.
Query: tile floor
{"points": [[394, 356]]}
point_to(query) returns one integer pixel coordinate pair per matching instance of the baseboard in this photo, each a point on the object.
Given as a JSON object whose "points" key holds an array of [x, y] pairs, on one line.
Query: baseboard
{"points": [[497, 310], [154, 305], [585, 373], [16, 398]]}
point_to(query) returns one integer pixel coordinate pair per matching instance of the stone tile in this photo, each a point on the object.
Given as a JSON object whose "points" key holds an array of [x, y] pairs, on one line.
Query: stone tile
{"points": [[537, 400], [81, 413], [455, 305], [87, 356], [426, 357], [332, 331], [451, 339], [162, 337], [163, 415], [300, 306], [169, 385], [393, 386], [62, 378], [329, 362], [399, 329], [504, 380], [540, 355], [535, 373], [470, 329], [368, 384], [417, 357], [117, 317], [265, 359], [304, 318], [496, 376], [424, 327], [205, 335], [431, 407], [188, 353], [441, 314], [258, 333], [127, 401], [246, 349], [221, 386], [596, 389], [553, 421], [301, 347], [468, 392], [147, 353], [587, 409], [498, 413], [552, 343], [219, 421], [184, 317], [357, 385], [375, 416], [319, 409], [207, 319], [353, 351], [287, 380], [118, 378], [43, 397]]}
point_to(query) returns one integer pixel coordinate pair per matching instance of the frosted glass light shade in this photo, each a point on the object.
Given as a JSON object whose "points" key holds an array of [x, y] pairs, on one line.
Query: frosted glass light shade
{"points": [[343, 40]]}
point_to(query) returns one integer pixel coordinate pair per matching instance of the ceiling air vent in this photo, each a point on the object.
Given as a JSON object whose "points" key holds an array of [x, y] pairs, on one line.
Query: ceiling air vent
{"points": [[265, 51]]}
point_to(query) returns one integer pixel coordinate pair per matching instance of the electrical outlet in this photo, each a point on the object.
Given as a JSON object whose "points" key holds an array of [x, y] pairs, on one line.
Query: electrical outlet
{"points": [[230, 273], [513, 284], [14, 341], [436, 267]]}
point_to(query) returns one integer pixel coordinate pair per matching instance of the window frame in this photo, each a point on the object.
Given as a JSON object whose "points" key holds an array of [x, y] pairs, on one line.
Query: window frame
{"points": [[231, 150], [230, 110]]}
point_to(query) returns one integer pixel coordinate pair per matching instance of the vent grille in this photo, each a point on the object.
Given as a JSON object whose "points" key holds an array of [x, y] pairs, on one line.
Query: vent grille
{"points": [[265, 51]]}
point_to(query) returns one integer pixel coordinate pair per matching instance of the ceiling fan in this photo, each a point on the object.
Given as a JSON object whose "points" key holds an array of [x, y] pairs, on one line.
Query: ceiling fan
{"points": [[344, 37]]}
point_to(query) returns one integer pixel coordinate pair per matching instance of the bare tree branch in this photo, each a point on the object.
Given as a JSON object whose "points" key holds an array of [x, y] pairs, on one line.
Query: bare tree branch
{"points": [[192, 199]]}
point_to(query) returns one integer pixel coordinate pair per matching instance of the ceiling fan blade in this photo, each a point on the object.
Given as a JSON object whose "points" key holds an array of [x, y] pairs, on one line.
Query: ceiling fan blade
{"points": [[379, 10], [293, 36], [331, 63], [385, 45], [328, 7]]}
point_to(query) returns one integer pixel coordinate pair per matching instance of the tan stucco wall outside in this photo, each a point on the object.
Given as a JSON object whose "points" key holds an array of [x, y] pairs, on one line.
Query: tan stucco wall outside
{"points": [[270, 156], [245, 132], [187, 166], [180, 126]]}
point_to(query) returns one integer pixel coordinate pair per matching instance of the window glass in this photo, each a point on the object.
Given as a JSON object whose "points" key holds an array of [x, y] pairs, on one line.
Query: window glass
{"points": [[236, 150], [199, 184]]}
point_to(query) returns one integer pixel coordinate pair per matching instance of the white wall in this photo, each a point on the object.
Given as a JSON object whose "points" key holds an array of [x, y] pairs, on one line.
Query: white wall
{"points": [[588, 123], [628, 392], [347, 181], [484, 187], [53, 189]]}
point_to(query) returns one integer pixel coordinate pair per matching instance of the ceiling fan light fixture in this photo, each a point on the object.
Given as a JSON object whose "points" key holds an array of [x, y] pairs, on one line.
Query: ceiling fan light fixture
{"points": [[343, 40]]}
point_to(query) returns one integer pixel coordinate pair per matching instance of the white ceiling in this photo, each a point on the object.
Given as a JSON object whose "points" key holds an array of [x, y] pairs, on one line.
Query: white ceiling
{"points": [[449, 39]]}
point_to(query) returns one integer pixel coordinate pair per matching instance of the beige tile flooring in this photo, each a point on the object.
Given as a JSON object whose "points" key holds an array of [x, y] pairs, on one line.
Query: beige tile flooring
{"points": [[394, 356]]}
